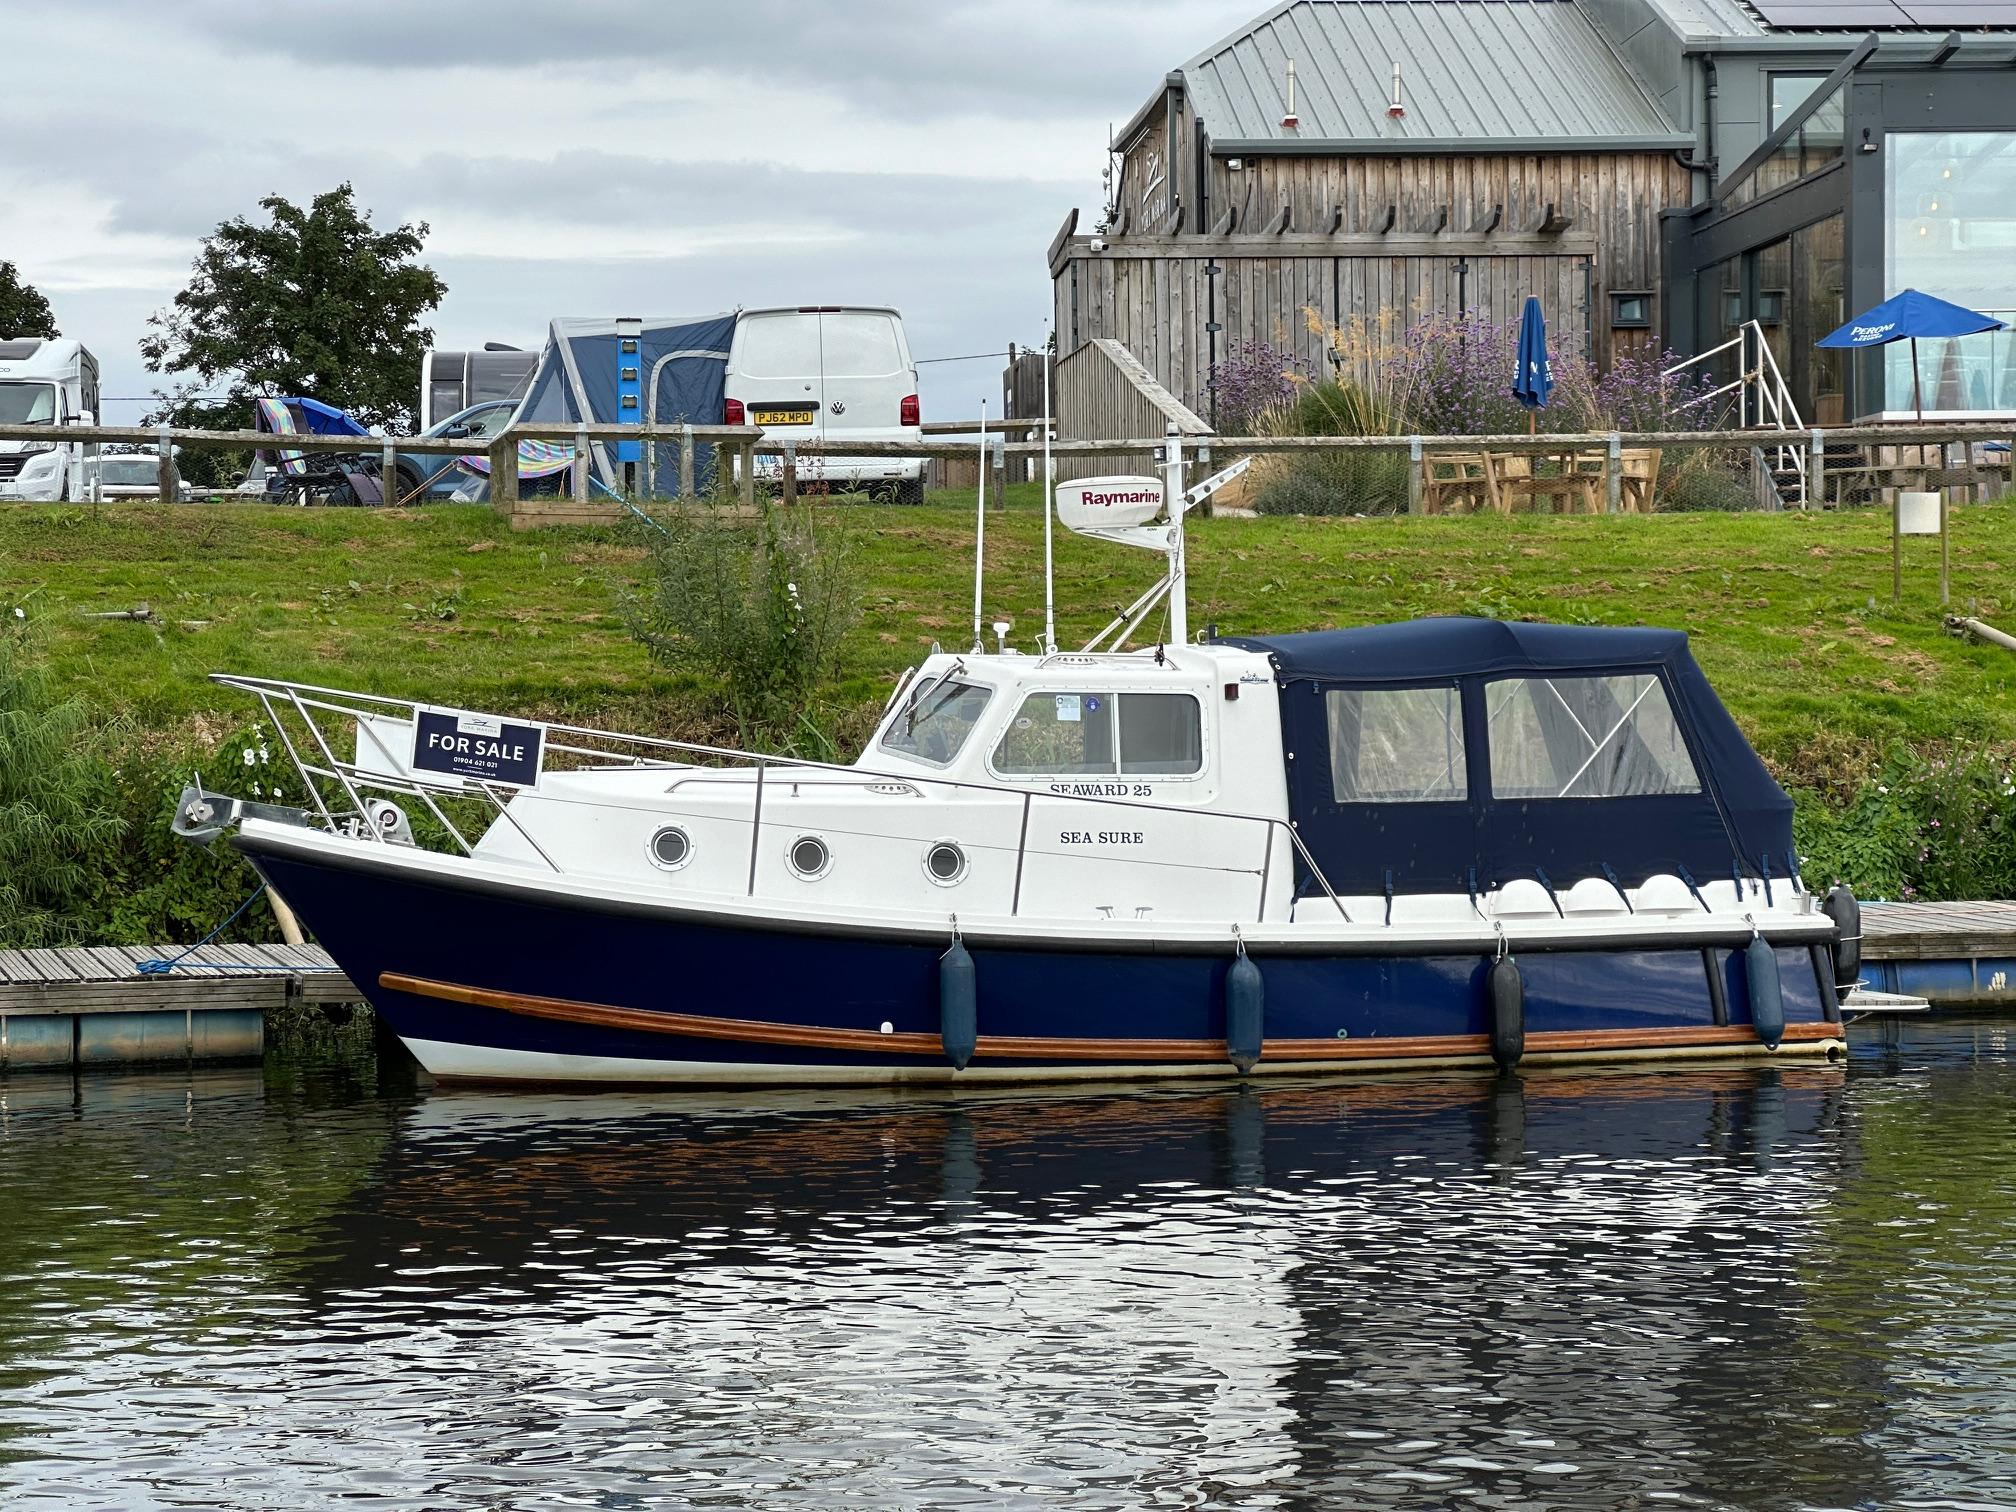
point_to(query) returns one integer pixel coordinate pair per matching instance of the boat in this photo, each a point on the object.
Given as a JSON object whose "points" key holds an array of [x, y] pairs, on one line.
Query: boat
{"points": [[1441, 844]]}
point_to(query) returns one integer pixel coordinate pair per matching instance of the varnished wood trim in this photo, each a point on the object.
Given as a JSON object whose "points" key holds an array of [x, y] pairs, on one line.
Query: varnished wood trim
{"points": [[1012, 1047]]}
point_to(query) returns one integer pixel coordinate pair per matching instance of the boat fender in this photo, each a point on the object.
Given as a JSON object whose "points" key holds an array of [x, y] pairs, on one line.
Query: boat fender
{"points": [[958, 1003], [1767, 996], [1508, 1013], [1846, 913], [1245, 1012]]}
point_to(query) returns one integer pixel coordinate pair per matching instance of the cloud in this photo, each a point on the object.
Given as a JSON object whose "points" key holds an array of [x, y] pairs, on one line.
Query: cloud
{"points": [[588, 157]]}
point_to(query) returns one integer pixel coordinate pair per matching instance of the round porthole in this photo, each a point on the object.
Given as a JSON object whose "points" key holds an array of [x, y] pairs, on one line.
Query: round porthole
{"points": [[671, 848], [945, 862], [809, 857]]}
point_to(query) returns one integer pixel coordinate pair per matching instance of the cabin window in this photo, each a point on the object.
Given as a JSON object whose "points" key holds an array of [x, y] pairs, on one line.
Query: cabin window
{"points": [[1104, 734], [1396, 745], [936, 720], [1585, 737]]}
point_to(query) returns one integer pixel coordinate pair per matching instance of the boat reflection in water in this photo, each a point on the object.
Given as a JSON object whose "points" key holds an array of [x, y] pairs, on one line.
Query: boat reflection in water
{"points": [[1559, 1288]]}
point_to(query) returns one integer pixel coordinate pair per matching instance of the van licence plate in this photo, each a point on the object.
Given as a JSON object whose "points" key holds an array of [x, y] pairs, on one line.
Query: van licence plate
{"points": [[783, 416]]}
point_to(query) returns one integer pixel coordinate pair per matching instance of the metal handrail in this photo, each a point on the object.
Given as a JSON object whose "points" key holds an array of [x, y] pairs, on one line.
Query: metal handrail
{"points": [[304, 698]]}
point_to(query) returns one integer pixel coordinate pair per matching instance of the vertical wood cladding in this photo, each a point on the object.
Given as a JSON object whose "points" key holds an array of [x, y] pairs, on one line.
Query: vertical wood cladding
{"points": [[1385, 239]]}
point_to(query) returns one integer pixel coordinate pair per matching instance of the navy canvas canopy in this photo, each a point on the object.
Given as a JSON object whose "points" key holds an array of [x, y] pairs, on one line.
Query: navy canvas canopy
{"points": [[1740, 820], [684, 373], [1533, 382], [1907, 316]]}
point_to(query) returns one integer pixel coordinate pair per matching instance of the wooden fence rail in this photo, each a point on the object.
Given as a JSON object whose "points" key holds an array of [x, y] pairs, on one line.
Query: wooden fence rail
{"points": [[1074, 454]]}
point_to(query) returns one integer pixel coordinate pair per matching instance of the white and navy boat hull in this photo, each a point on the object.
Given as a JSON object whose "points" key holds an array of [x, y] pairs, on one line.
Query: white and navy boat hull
{"points": [[490, 976]]}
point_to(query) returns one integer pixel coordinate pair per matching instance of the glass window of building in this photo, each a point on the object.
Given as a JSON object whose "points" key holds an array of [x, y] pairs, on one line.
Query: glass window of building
{"points": [[1789, 91], [1951, 205]]}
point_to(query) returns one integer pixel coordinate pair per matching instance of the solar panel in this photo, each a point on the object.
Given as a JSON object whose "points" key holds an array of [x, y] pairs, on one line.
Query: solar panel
{"points": [[1830, 15], [1857, 15], [1959, 12]]}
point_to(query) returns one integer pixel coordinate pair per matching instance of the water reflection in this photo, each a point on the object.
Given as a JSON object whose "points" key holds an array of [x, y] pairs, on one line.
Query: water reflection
{"points": [[1757, 1287]]}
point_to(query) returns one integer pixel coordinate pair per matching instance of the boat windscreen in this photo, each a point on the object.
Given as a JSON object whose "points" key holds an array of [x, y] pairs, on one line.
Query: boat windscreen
{"points": [[936, 720]]}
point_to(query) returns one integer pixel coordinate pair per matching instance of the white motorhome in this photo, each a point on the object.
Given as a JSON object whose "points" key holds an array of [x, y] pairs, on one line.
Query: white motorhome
{"points": [[48, 382], [829, 374]]}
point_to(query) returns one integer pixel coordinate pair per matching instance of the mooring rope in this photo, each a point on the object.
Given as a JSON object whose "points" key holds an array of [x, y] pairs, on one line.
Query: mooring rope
{"points": [[160, 967]]}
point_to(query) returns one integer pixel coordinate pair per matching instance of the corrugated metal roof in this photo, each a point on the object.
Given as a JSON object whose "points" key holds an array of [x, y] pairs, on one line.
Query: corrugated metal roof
{"points": [[1479, 72], [1706, 19]]}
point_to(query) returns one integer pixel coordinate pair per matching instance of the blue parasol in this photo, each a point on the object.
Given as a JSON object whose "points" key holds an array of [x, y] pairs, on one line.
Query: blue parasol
{"points": [[1533, 380], [1906, 317]]}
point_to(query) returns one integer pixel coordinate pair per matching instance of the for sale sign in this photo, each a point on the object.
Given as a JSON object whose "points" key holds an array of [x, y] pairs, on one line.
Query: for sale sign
{"points": [[477, 748]]}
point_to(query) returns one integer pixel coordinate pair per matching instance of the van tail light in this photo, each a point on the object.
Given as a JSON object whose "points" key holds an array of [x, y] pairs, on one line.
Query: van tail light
{"points": [[912, 413], [732, 413]]}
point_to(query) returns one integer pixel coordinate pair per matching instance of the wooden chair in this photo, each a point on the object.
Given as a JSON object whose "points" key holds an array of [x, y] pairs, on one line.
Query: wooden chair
{"points": [[1461, 479], [1638, 478], [1511, 475]]}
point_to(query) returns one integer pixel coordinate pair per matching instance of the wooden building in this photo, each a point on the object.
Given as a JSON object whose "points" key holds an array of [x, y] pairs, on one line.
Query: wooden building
{"points": [[1377, 162]]}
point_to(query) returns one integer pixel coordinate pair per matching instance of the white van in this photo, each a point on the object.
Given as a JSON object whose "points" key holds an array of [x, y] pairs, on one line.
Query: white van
{"points": [[53, 383], [829, 373]]}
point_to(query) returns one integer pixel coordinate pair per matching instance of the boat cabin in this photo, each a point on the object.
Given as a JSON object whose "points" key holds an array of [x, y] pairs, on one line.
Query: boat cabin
{"points": [[1421, 771]]}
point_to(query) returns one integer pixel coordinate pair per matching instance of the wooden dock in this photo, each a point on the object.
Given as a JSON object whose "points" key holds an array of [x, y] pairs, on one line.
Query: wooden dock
{"points": [[1954, 955], [95, 1006]]}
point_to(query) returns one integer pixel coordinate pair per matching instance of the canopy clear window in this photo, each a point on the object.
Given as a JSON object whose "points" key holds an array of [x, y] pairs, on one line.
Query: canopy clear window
{"points": [[1585, 737], [129, 470], [1396, 745], [1103, 734], [936, 720]]}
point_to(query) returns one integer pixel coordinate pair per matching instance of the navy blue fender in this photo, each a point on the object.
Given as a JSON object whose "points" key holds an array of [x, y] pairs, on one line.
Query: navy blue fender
{"points": [[1245, 1014], [958, 1005], [1767, 993], [1507, 989]]}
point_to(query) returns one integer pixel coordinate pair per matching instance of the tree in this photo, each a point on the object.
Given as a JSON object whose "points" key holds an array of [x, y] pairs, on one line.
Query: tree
{"points": [[311, 302], [23, 310]]}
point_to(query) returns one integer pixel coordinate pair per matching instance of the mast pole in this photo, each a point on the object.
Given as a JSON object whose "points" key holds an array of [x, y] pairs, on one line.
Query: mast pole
{"points": [[1172, 496], [1049, 510], [980, 535]]}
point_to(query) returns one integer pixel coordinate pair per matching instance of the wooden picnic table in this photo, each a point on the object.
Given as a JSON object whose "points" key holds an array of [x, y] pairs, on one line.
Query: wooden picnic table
{"points": [[1501, 480]]}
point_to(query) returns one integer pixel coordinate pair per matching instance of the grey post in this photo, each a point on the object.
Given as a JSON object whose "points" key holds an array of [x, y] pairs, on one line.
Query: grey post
{"points": [[1613, 474], [748, 465], [388, 473], [1816, 471], [685, 460], [578, 468], [164, 465], [1413, 475], [790, 491]]}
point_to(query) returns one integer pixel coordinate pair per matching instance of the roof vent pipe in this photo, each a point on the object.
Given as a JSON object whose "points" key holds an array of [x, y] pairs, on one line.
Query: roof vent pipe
{"points": [[1394, 108], [1291, 120]]}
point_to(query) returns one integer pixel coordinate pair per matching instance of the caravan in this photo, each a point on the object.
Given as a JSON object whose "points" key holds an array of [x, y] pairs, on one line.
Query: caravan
{"points": [[45, 382]]}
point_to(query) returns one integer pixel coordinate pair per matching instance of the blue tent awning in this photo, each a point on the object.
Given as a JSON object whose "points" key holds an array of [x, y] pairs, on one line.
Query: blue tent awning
{"points": [[1907, 316]]}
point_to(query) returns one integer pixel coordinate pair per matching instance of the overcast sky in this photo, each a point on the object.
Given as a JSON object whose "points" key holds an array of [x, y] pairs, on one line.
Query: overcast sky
{"points": [[587, 158]]}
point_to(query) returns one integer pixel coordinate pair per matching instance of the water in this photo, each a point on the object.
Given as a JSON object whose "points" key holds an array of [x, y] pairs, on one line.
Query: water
{"points": [[1786, 1287]]}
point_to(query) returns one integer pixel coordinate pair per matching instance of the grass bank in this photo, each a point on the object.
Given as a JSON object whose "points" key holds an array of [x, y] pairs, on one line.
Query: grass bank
{"points": [[1790, 614]]}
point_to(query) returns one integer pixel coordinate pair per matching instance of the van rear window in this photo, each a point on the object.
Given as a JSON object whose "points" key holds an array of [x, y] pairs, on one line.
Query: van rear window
{"points": [[839, 344], [859, 346]]}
